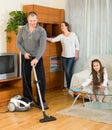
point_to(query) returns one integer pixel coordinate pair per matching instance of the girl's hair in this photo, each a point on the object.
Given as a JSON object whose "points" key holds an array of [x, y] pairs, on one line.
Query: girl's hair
{"points": [[67, 25], [97, 81]]}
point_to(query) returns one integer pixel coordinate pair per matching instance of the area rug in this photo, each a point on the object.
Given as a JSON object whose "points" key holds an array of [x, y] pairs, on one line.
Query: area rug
{"points": [[78, 110]]}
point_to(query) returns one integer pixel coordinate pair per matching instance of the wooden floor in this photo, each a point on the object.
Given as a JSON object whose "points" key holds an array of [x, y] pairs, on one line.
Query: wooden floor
{"points": [[56, 100]]}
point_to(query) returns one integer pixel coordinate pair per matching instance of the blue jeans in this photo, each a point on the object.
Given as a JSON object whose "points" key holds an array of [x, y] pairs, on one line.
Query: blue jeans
{"points": [[68, 68]]}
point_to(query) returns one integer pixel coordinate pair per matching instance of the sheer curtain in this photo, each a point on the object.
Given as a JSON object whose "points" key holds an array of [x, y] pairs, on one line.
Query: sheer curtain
{"points": [[91, 20]]}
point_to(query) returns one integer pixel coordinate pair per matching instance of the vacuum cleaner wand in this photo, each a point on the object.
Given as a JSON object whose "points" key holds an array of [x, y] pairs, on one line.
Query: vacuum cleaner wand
{"points": [[46, 118]]}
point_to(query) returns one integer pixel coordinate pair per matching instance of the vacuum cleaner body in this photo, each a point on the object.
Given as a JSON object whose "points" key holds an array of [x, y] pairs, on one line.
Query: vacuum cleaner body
{"points": [[18, 103]]}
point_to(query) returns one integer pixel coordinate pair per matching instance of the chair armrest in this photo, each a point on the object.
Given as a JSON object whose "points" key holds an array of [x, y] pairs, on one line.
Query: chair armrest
{"points": [[77, 79], [80, 77]]}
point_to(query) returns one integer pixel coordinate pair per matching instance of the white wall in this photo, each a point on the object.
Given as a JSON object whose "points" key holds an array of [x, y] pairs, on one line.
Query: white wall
{"points": [[9, 5]]}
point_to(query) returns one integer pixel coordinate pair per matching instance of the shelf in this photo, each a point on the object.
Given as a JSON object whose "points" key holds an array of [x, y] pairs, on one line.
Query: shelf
{"points": [[51, 29], [11, 79]]}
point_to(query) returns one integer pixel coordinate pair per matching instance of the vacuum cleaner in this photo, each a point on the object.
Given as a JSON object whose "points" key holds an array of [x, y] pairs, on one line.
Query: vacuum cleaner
{"points": [[45, 117], [18, 103]]}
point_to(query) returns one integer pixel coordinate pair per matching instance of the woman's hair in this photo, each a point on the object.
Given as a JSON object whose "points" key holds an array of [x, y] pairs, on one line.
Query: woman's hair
{"points": [[97, 81], [67, 25]]}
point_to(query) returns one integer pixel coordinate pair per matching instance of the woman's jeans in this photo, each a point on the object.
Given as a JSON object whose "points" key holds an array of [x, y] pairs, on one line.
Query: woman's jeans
{"points": [[68, 68]]}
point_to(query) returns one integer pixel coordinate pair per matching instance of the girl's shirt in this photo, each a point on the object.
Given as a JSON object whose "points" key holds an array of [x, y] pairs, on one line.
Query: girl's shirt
{"points": [[90, 79], [69, 44]]}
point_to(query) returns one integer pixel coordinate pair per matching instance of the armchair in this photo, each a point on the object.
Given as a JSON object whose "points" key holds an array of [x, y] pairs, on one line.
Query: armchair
{"points": [[80, 77]]}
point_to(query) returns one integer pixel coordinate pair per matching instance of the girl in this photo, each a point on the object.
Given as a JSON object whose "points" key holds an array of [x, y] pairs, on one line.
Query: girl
{"points": [[98, 81]]}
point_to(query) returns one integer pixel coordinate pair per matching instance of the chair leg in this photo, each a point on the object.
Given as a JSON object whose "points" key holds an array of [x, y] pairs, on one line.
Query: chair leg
{"points": [[89, 97], [83, 100], [76, 99]]}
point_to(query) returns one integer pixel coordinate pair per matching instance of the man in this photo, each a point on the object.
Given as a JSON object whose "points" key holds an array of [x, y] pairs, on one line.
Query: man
{"points": [[31, 41]]}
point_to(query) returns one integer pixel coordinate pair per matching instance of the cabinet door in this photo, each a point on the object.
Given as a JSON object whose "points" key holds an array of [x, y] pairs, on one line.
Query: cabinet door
{"points": [[46, 61], [55, 49], [46, 14], [46, 53], [53, 15], [56, 80], [28, 8], [11, 45]]}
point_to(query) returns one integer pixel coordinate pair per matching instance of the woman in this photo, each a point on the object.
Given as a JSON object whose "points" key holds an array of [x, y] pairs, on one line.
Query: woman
{"points": [[70, 49]]}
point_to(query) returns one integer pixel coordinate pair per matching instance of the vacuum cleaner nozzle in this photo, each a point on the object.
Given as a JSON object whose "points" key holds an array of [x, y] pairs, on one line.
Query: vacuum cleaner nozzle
{"points": [[47, 118]]}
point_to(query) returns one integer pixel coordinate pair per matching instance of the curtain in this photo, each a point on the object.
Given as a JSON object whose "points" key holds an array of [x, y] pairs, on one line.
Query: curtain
{"points": [[91, 21]]}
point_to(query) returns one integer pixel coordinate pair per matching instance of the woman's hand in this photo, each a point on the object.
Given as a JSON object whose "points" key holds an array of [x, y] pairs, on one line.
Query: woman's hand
{"points": [[76, 55], [49, 39]]}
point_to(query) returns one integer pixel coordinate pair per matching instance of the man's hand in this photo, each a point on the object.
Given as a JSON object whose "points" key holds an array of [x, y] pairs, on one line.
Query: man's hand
{"points": [[27, 56], [34, 62]]}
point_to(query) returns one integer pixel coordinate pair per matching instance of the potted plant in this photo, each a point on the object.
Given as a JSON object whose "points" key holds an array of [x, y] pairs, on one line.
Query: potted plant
{"points": [[16, 18]]}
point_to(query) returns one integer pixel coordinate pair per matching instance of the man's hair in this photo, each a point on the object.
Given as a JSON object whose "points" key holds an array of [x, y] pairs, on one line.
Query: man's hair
{"points": [[32, 13]]}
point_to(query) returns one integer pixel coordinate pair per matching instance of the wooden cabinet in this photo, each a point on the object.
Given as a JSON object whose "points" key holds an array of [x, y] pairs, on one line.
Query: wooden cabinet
{"points": [[46, 14], [9, 88], [50, 19]]}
